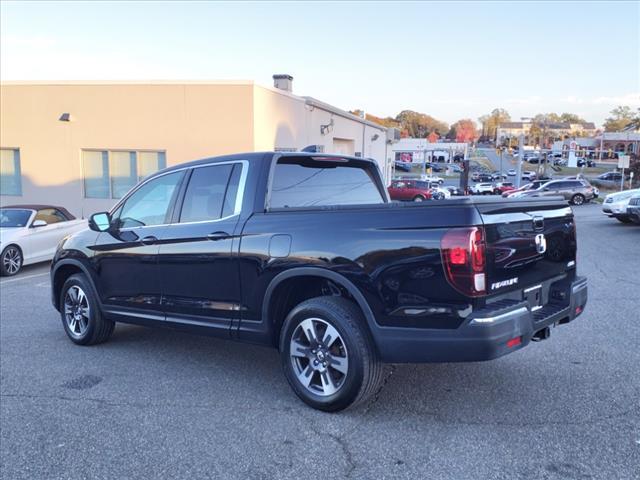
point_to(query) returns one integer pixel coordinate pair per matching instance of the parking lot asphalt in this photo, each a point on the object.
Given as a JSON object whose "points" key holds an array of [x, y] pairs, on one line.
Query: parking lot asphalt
{"points": [[154, 403]]}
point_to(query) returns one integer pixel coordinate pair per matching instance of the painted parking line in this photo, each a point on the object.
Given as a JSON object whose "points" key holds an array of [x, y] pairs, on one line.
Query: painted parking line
{"points": [[27, 277]]}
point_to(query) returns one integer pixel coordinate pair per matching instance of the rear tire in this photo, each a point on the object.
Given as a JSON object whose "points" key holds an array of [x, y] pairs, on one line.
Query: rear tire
{"points": [[327, 354], [577, 199], [418, 198], [11, 260], [80, 313]]}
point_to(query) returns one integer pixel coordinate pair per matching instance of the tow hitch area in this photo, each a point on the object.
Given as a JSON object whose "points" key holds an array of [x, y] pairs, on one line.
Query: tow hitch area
{"points": [[541, 335]]}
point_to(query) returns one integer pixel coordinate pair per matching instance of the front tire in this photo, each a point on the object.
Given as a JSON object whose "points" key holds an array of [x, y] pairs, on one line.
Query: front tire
{"points": [[577, 199], [80, 313], [624, 219], [11, 260], [327, 354]]}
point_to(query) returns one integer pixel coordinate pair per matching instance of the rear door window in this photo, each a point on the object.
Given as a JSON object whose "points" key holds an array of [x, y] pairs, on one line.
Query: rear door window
{"points": [[211, 193], [305, 182]]}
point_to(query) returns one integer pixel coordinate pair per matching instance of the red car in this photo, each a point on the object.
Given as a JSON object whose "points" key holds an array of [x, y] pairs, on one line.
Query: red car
{"points": [[503, 187], [410, 190]]}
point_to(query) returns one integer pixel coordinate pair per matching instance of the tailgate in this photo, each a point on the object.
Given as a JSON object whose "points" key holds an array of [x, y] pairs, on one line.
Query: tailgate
{"points": [[527, 242]]}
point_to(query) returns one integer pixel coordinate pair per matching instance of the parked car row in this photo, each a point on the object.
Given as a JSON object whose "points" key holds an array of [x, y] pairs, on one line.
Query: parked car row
{"points": [[30, 234], [479, 176], [486, 188], [623, 206], [526, 174]]}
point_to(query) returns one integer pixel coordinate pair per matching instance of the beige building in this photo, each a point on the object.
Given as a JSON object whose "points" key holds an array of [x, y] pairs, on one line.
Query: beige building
{"points": [[82, 145], [511, 131]]}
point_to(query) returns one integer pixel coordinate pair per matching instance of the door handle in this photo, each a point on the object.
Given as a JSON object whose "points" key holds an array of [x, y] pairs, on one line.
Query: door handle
{"points": [[149, 240], [218, 236]]}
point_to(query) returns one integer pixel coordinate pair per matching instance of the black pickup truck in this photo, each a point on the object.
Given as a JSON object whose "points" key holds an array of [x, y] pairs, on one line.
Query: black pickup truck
{"points": [[305, 253]]}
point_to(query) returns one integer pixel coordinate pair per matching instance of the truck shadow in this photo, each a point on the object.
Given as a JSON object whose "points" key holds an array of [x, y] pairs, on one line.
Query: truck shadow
{"points": [[511, 391]]}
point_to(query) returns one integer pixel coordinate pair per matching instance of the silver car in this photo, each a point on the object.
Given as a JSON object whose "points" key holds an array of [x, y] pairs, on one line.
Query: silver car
{"points": [[576, 191]]}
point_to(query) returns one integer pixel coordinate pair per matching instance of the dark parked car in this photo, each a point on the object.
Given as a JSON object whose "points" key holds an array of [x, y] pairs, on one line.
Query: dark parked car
{"points": [[482, 177], [404, 166], [608, 179], [581, 162], [303, 252], [454, 190]]}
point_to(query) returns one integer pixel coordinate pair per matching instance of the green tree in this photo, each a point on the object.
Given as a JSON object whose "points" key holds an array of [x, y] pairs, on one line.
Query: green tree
{"points": [[420, 125], [451, 134], [571, 118], [621, 116], [546, 117], [491, 121]]}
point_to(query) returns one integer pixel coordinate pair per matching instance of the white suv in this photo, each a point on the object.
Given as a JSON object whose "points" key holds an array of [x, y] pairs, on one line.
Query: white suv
{"points": [[615, 204], [482, 189]]}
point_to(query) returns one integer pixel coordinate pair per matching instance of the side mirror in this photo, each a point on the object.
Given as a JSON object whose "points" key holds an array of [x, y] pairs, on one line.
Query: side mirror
{"points": [[39, 223], [100, 222]]}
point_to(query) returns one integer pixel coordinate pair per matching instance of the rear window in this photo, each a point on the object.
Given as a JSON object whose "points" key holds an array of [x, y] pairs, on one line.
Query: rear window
{"points": [[307, 182]]}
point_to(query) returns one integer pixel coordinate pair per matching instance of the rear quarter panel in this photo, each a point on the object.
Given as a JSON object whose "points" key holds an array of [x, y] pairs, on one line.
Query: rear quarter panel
{"points": [[391, 253]]}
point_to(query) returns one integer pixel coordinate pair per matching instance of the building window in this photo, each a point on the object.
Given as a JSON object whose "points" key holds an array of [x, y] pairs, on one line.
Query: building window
{"points": [[10, 177], [112, 173]]}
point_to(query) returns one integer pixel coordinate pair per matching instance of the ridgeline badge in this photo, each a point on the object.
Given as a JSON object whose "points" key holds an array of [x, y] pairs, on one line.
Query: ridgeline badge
{"points": [[504, 283]]}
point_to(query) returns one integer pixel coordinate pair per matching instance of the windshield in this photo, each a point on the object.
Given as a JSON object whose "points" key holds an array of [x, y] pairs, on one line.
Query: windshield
{"points": [[14, 218]]}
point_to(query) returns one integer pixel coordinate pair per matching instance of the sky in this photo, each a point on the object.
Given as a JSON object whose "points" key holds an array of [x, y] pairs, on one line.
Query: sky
{"points": [[450, 60]]}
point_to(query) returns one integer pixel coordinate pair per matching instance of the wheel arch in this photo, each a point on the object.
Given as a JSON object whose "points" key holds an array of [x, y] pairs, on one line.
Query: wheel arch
{"points": [[274, 293], [17, 245], [61, 272]]}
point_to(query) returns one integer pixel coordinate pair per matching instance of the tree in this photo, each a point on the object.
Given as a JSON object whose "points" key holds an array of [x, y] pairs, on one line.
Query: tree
{"points": [[451, 134], [571, 118], [546, 117], [534, 136], [464, 130], [621, 116], [420, 125], [433, 137], [385, 122], [491, 121]]}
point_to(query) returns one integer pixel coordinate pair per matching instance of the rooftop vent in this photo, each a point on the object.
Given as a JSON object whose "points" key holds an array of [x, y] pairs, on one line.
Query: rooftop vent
{"points": [[283, 82]]}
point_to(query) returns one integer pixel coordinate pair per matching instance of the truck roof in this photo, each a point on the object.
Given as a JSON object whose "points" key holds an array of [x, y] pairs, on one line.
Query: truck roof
{"points": [[258, 156]]}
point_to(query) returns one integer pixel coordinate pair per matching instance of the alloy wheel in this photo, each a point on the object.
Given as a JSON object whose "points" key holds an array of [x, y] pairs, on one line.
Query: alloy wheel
{"points": [[76, 311], [12, 260], [319, 357]]}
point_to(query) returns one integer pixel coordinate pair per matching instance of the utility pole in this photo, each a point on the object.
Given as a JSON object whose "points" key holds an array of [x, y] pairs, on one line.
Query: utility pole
{"points": [[519, 169], [424, 162]]}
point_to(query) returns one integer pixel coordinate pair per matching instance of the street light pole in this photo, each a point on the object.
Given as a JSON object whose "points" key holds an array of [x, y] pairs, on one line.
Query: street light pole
{"points": [[519, 169]]}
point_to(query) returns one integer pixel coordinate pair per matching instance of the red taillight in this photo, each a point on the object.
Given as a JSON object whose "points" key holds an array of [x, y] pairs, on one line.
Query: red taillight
{"points": [[458, 256], [463, 255], [514, 342]]}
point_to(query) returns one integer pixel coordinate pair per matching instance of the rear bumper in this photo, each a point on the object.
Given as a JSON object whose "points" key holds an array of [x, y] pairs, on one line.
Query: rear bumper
{"points": [[484, 335]]}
